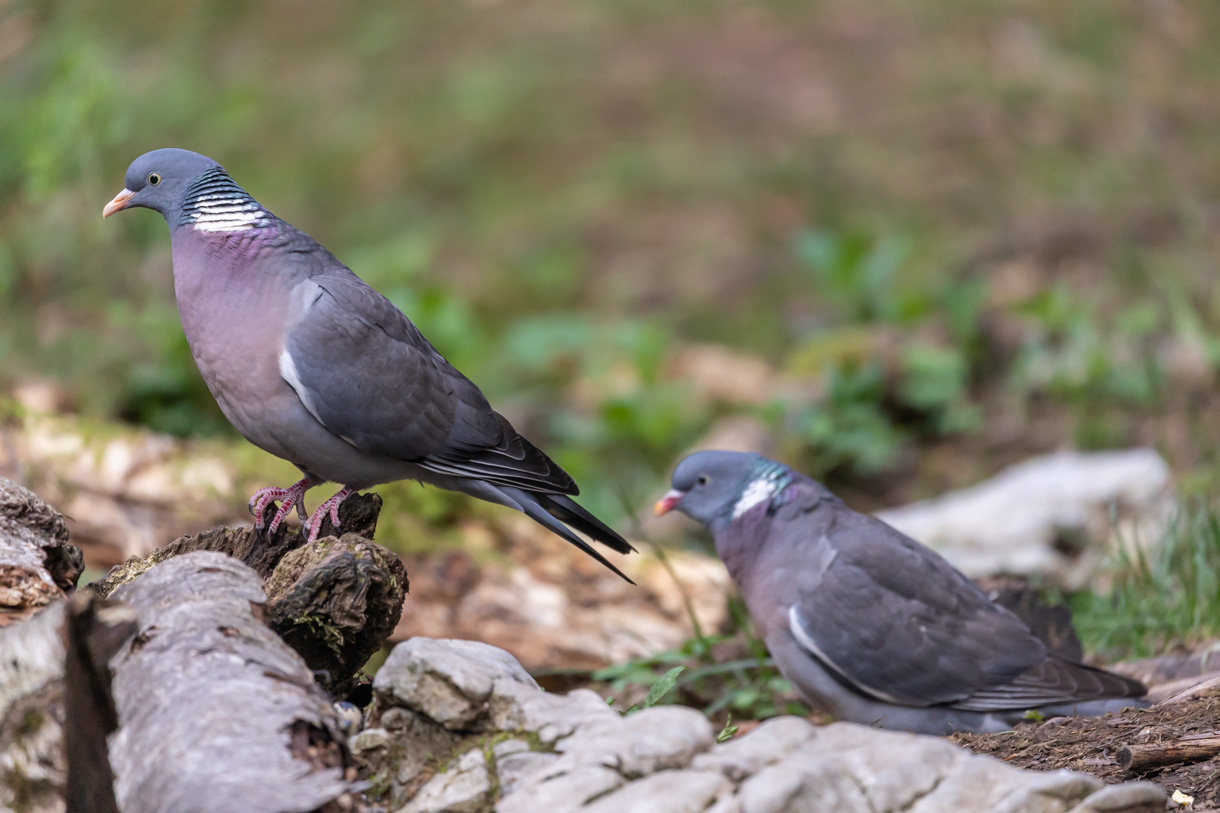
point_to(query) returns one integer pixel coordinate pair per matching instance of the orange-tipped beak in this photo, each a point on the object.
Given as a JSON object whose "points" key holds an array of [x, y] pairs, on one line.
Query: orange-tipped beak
{"points": [[118, 204], [667, 503]]}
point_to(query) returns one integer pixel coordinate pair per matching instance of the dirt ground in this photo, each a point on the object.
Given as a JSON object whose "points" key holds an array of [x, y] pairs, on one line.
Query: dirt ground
{"points": [[1090, 745]]}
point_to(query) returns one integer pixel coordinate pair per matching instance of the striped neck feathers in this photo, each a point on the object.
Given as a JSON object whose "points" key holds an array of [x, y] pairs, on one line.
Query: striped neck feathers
{"points": [[768, 483], [215, 203]]}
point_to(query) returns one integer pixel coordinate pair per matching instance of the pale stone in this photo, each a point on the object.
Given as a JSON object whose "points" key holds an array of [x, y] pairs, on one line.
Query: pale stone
{"points": [[462, 788], [517, 707], [449, 681], [560, 793], [514, 770], [660, 738], [746, 755], [682, 791], [370, 739]]}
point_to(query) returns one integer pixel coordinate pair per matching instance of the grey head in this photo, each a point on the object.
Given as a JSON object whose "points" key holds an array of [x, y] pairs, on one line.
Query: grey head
{"points": [[166, 180], [714, 487]]}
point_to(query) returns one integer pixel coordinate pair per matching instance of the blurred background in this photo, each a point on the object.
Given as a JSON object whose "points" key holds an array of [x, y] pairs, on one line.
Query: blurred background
{"points": [[899, 246]]}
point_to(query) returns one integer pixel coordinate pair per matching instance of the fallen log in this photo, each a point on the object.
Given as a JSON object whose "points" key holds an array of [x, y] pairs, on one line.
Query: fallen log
{"points": [[215, 711], [37, 569], [335, 601], [94, 631], [1146, 756], [37, 565], [32, 766]]}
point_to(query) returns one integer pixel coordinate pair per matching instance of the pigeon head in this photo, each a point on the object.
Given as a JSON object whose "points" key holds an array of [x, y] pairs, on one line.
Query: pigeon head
{"points": [[715, 487], [161, 180]]}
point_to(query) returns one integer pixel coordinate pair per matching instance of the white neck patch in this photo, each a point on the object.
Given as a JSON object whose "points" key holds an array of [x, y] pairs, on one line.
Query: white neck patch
{"points": [[214, 203], [227, 216], [757, 491]]}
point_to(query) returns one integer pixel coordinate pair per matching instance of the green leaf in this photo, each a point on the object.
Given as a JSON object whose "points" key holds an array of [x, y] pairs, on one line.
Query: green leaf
{"points": [[728, 732], [662, 687]]}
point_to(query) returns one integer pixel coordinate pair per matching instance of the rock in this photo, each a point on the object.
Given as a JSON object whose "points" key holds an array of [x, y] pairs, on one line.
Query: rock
{"points": [[555, 793], [512, 769], [742, 757], [463, 788], [573, 753], [665, 792], [550, 717], [1032, 517], [1129, 797], [447, 681], [368, 740], [656, 739]]}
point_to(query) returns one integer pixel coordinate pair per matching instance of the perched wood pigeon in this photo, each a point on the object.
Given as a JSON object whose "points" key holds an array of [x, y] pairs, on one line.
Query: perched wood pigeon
{"points": [[312, 365], [865, 622]]}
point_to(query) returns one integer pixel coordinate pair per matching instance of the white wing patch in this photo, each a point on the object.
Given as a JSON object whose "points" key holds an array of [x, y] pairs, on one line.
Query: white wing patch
{"points": [[288, 371], [757, 491]]}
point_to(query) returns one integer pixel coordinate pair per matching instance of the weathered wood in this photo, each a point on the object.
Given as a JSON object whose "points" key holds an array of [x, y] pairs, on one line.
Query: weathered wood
{"points": [[94, 631], [32, 764], [216, 713], [37, 569], [37, 565], [1146, 756], [335, 601]]}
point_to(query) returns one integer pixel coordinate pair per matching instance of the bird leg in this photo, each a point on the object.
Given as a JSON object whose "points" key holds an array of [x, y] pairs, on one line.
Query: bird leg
{"points": [[292, 496], [330, 507]]}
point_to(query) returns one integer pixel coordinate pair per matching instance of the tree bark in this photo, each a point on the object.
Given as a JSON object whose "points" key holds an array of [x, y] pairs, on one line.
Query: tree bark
{"points": [[37, 565], [94, 631], [335, 601], [1144, 757], [38, 568], [215, 712]]}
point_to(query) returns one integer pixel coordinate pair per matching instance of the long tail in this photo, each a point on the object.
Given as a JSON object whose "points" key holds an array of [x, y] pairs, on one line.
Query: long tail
{"points": [[557, 511]]}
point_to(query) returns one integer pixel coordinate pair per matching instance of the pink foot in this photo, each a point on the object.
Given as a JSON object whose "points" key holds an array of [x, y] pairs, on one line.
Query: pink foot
{"points": [[331, 508], [294, 495]]}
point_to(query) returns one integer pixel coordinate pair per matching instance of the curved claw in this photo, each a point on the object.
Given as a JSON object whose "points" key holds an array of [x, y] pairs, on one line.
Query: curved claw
{"points": [[293, 496], [329, 508]]}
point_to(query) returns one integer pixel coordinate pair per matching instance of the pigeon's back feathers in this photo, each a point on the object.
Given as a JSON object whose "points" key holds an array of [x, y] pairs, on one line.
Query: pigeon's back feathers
{"points": [[370, 377]]}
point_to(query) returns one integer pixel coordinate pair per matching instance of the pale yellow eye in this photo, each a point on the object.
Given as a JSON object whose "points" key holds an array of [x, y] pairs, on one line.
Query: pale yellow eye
{"points": [[154, 178]]}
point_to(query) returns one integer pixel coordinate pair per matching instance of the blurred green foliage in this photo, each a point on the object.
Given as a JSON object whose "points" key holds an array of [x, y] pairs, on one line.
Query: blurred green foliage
{"points": [[937, 219]]}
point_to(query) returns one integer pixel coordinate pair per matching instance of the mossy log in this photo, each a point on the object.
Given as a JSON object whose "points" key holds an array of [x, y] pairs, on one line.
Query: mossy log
{"points": [[335, 601]]}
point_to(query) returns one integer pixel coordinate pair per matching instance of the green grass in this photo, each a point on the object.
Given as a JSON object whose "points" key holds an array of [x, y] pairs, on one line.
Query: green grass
{"points": [[698, 674], [1160, 595]]}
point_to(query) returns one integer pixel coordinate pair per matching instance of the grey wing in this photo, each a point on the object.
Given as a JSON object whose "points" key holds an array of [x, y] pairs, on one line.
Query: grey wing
{"points": [[897, 622], [368, 375]]}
